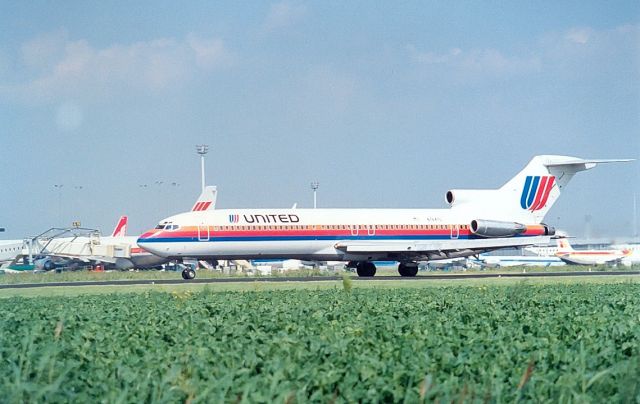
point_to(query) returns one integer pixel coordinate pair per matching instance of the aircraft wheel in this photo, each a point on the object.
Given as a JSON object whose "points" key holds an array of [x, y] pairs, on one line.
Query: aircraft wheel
{"points": [[408, 269], [188, 274], [366, 268]]}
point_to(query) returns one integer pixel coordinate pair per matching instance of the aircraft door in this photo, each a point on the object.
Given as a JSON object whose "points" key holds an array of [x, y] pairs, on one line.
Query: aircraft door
{"points": [[371, 230], [355, 229], [203, 232], [455, 231]]}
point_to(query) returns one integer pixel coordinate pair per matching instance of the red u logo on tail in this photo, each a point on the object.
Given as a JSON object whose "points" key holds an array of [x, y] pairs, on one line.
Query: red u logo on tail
{"points": [[536, 192]]}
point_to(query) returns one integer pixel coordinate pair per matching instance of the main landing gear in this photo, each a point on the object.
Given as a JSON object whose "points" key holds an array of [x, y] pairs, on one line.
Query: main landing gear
{"points": [[188, 273], [368, 268], [365, 268], [408, 268]]}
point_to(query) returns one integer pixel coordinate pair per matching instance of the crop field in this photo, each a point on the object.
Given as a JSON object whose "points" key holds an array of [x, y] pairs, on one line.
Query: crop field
{"points": [[553, 343]]}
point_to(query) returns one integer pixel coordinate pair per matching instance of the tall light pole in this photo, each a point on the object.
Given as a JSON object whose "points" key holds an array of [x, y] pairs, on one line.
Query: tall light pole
{"points": [[202, 149], [635, 216], [77, 197], [314, 186]]}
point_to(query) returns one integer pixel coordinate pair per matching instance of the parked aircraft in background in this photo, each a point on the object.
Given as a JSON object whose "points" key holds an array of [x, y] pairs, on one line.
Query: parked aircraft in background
{"points": [[9, 249], [589, 257], [634, 253], [68, 249], [634, 256], [477, 221], [121, 228], [497, 261]]}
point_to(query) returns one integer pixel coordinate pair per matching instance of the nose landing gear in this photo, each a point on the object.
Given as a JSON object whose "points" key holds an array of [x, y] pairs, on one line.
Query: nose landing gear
{"points": [[188, 274]]}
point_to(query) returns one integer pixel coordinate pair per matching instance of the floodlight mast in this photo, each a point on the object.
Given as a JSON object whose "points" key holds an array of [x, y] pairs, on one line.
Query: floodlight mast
{"points": [[314, 186], [202, 149]]}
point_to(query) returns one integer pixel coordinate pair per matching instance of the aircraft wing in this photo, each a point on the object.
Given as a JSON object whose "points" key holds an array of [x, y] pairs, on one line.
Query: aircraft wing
{"points": [[440, 249]]}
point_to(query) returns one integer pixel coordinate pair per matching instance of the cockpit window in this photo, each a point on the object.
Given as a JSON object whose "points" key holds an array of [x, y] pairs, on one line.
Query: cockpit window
{"points": [[167, 226]]}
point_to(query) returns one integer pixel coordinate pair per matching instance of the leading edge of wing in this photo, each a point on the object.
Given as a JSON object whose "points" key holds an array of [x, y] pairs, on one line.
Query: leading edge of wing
{"points": [[440, 245]]}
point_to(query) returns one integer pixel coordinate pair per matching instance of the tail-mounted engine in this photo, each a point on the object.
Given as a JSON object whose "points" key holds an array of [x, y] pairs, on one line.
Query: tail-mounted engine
{"points": [[495, 228]]}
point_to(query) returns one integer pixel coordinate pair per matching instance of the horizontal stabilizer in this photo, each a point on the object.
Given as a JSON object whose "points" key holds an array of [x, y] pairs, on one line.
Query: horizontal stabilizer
{"points": [[579, 164]]}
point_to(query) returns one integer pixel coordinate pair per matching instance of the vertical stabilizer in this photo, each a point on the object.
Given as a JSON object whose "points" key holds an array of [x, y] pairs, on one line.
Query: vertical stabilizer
{"points": [[529, 195], [563, 246], [121, 228], [207, 200], [535, 189]]}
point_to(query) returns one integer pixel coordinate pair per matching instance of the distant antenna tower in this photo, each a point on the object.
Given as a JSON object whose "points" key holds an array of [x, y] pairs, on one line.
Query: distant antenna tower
{"points": [[202, 149]]}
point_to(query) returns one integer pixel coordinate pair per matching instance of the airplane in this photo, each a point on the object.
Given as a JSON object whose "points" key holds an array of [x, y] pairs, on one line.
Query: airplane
{"points": [[634, 253], [589, 257], [9, 249], [497, 261], [476, 221]]}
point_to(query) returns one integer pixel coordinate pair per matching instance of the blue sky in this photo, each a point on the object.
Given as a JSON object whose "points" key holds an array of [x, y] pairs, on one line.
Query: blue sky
{"points": [[386, 104]]}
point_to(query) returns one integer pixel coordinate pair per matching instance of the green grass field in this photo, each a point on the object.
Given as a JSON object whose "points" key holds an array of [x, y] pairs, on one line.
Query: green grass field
{"points": [[572, 340], [73, 276]]}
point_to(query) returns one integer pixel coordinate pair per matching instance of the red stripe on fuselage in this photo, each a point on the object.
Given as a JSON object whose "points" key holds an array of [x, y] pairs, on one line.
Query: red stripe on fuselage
{"points": [[194, 233]]}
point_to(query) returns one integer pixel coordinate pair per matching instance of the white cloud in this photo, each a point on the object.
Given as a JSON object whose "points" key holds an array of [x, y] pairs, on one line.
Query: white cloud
{"points": [[61, 67], [283, 14], [580, 36], [42, 50], [573, 53], [210, 53], [483, 61]]}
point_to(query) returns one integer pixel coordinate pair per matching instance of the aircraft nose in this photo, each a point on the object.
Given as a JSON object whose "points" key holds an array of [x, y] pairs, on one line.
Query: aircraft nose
{"points": [[146, 236], [146, 241]]}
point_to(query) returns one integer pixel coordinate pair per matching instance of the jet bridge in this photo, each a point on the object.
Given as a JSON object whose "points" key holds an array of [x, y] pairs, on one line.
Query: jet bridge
{"points": [[75, 244]]}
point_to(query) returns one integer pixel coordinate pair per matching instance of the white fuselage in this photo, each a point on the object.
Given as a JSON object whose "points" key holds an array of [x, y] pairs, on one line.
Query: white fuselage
{"points": [[591, 257], [306, 234], [10, 249]]}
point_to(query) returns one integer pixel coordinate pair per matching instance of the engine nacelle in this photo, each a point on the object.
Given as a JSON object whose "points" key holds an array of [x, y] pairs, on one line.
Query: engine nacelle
{"points": [[460, 196], [495, 228]]}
